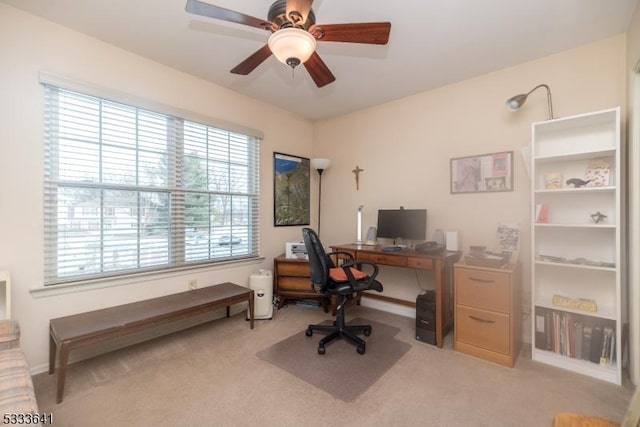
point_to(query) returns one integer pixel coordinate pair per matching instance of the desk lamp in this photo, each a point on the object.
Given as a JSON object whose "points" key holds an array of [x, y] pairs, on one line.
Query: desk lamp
{"points": [[515, 102]]}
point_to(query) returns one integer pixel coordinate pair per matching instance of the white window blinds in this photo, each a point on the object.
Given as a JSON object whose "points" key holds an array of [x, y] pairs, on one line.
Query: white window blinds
{"points": [[129, 190]]}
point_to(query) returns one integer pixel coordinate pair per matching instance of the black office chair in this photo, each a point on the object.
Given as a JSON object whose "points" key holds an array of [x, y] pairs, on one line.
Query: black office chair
{"points": [[343, 281]]}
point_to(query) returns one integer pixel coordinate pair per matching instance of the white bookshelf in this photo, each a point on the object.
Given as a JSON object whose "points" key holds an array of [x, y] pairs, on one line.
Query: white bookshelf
{"points": [[573, 255], [5, 295]]}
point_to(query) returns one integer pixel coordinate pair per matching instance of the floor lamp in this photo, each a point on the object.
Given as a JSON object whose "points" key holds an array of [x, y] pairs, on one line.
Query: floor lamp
{"points": [[320, 165]]}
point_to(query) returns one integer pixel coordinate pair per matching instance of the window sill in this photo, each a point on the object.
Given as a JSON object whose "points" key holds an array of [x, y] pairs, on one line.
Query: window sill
{"points": [[88, 285]]}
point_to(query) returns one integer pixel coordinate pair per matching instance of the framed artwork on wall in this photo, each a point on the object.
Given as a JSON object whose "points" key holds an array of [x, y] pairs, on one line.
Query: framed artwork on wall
{"points": [[482, 173], [291, 190]]}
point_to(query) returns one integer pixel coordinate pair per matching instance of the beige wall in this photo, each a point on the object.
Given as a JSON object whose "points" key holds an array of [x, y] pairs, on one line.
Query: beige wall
{"points": [[404, 148], [29, 45], [633, 67]]}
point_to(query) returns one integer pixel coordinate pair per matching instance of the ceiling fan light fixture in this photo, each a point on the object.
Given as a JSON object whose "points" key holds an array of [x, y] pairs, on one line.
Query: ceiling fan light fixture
{"points": [[292, 46]]}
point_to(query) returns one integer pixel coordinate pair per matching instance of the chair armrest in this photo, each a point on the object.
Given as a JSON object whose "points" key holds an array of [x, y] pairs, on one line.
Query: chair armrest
{"points": [[359, 263], [9, 334], [352, 280]]}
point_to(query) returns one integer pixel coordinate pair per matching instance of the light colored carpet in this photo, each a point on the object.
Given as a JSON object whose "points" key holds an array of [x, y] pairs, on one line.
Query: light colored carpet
{"points": [[210, 376], [341, 371]]}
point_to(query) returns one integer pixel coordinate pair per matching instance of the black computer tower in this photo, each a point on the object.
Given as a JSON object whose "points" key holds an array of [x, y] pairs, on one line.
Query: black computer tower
{"points": [[426, 317]]}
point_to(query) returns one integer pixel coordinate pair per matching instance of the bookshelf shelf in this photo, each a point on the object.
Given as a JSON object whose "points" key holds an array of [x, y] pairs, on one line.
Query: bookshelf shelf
{"points": [[605, 312], [577, 240], [565, 191], [606, 373], [576, 266], [602, 226], [576, 155]]}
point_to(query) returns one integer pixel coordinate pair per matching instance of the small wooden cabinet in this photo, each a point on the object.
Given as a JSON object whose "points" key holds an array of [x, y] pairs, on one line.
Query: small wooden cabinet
{"points": [[488, 312], [292, 280]]}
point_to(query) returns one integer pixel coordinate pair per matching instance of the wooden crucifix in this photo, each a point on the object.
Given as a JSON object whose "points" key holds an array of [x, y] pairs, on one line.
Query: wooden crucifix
{"points": [[356, 172]]}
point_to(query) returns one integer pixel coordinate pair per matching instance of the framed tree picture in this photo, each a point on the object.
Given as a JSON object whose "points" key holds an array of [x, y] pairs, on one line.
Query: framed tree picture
{"points": [[291, 190], [483, 173]]}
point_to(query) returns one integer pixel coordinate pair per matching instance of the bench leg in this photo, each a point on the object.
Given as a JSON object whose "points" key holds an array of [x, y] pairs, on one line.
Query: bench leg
{"points": [[52, 354], [62, 370], [251, 308]]}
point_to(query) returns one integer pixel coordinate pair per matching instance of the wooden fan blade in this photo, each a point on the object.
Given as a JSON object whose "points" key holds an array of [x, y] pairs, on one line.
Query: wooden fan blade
{"points": [[205, 9], [318, 70], [364, 32], [298, 10], [250, 64]]}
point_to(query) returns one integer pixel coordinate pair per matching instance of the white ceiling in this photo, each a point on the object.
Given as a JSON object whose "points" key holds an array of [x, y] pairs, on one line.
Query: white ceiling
{"points": [[432, 42]]}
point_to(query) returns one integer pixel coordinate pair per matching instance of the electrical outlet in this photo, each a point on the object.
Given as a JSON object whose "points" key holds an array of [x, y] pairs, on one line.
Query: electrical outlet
{"points": [[193, 284]]}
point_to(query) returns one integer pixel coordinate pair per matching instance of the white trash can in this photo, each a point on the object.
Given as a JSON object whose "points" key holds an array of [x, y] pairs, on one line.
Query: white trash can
{"points": [[261, 282]]}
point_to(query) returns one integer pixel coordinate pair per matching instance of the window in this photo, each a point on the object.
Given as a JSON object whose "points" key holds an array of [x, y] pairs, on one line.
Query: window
{"points": [[129, 190]]}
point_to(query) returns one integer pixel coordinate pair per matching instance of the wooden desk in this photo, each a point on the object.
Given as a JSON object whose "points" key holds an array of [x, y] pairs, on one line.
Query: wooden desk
{"points": [[291, 279], [441, 265], [79, 330]]}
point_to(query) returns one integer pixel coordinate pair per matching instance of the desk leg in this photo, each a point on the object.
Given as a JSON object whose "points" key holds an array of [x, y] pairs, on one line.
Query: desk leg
{"points": [[439, 312], [251, 302], [62, 369]]}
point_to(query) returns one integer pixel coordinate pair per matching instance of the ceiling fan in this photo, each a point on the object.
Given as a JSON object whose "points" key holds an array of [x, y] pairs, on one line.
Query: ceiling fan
{"points": [[294, 35]]}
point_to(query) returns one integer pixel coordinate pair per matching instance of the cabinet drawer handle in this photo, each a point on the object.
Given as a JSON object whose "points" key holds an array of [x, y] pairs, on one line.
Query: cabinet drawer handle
{"points": [[475, 279], [482, 320]]}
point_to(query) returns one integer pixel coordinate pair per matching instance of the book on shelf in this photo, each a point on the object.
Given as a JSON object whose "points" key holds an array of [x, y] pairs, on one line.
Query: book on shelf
{"points": [[542, 213], [607, 355], [544, 335], [586, 342], [597, 339], [574, 335], [542, 331], [578, 333]]}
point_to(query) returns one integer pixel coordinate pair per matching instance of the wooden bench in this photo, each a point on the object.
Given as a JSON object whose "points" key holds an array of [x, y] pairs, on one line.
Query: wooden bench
{"points": [[84, 329]]}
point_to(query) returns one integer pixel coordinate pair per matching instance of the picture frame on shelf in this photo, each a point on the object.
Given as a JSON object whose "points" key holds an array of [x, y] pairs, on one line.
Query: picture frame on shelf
{"points": [[291, 190], [553, 181], [482, 173], [598, 173], [508, 241]]}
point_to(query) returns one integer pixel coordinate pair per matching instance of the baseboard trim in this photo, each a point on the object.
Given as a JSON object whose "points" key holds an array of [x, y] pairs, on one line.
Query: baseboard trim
{"points": [[389, 307]]}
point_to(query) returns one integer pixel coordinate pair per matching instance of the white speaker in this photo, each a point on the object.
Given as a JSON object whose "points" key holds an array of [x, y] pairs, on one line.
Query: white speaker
{"points": [[453, 242], [371, 236]]}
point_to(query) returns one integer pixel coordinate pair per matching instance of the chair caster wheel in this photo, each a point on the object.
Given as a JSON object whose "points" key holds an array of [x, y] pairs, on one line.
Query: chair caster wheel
{"points": [[367, 332], [308, 332], [321, 350], [361, 349]]}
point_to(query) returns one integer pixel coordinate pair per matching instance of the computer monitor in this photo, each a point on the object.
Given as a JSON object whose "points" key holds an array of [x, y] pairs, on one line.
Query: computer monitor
{"points": [[406, 224]]}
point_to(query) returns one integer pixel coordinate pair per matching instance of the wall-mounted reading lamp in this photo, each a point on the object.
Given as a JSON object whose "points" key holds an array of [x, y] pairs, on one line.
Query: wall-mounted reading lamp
{"points": [[515, 102]]}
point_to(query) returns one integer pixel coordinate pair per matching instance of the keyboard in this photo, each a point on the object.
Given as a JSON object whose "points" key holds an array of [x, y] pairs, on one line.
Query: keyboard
{"points": [[394, 248]]}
